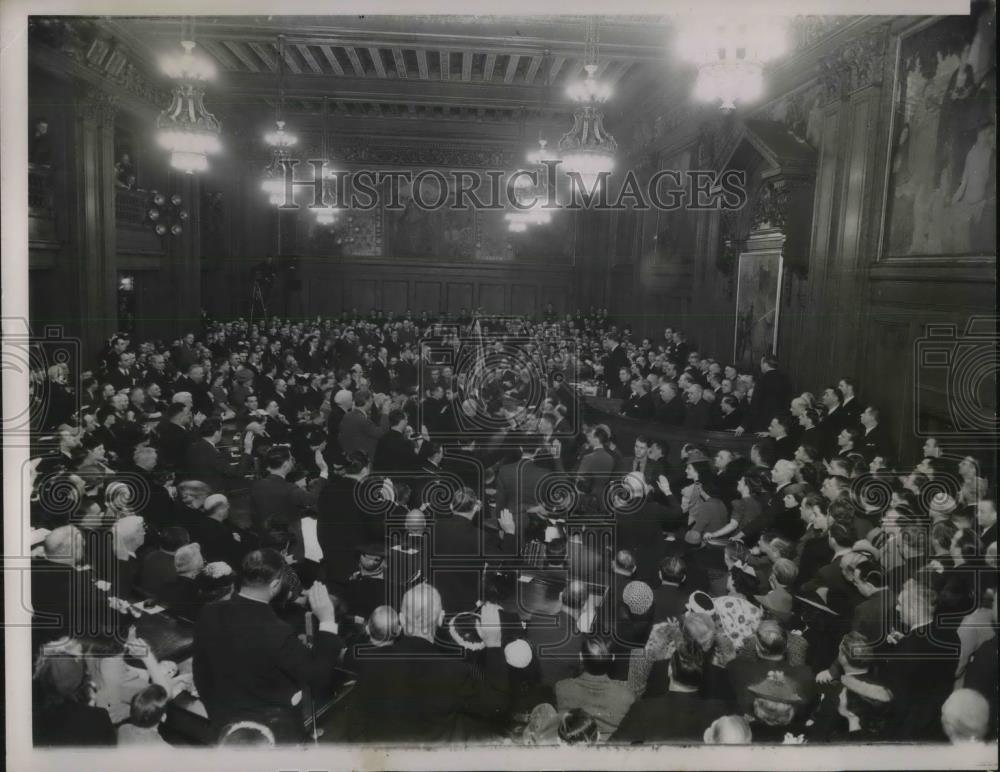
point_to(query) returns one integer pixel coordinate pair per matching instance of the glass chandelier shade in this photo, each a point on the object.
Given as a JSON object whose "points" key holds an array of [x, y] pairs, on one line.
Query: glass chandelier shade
{"points": [[588, 148], [542, 153], [186, 129], [730, 55]]}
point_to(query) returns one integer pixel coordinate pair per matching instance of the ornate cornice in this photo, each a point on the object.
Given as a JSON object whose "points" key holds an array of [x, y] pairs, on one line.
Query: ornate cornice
{"points": [[98, 107], [82, 42], [856, 65]]}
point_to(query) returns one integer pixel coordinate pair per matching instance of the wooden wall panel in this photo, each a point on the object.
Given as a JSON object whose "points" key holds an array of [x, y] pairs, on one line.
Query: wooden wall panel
{"points": [[493, 298], [524, 299], [427, 296], [364, 294], [459, 296], [395, 295]]}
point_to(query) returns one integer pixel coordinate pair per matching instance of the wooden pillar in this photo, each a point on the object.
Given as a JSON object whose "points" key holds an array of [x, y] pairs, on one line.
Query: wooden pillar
{"points": [[92, 190]]}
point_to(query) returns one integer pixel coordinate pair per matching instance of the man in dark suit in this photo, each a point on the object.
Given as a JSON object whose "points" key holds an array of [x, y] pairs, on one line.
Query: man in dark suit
{"points": [[173, 434], [772, 393], [357, 430], [64, 601], [679, 715], [834, 421], [640, 461], [874, 437], [780, 430], [840, 595], [920, 667], [276, 501], [424, 691], [249, 664], [519, 484], [556, 638], [851, 405], [378, 372], [670, 598], [597, 466], [616, 357], [696, 409], [639, 403], [395, 453], [203, 460]]}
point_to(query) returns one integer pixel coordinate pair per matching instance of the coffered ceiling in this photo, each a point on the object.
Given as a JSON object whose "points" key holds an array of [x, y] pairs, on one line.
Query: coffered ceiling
{"points": [[454, 68]]}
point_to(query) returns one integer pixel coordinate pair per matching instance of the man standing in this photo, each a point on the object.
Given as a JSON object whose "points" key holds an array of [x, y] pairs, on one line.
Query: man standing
{"points": [[249, 665], [772, 394]]}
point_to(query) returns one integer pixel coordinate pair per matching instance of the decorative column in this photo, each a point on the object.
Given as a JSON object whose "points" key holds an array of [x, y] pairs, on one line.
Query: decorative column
{"points": [[92, 187]]}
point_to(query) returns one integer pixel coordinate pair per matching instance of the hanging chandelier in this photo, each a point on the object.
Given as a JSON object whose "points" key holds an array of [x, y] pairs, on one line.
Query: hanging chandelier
{"points": [[326, 215], [730, 55], [186, 129], [588, 148], [281, 141]]}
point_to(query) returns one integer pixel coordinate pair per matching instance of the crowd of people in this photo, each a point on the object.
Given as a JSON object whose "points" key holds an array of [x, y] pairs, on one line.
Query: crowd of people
{"points": [[362, 504]]}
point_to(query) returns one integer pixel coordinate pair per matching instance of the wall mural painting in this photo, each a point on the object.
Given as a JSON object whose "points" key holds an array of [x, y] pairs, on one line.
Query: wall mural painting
{"points": [[758, 291], [554, 242], [942, 181], [442, 233]]}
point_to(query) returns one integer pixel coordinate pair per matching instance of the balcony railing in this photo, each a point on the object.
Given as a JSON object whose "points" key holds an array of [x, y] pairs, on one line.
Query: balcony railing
{"points": [[130, 206]]}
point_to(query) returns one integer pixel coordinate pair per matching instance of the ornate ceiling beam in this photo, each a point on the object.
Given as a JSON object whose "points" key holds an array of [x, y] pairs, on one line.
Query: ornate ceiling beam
{"points": [[376, 55], [422, 65], [237, 87], [332, 60], [309, 59]]}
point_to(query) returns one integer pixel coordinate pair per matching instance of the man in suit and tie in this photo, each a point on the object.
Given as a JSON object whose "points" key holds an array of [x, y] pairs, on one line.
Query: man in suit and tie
{"points": [[874, 438], [640, 461], [357, 430], [835, 420], [249, 664], [395, 452], [920, 666], [669, 408], [204, 461], [378, 372], [780, 430], [851, 406], [616, 358]]}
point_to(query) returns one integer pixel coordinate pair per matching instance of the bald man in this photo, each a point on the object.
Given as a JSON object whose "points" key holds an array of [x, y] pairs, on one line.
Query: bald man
{"points": [[965, 716], [426, 691]]}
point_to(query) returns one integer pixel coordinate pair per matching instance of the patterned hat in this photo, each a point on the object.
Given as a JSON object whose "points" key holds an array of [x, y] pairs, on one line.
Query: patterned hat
{"points": [[464, 631], [638, 597], [778, 688]]}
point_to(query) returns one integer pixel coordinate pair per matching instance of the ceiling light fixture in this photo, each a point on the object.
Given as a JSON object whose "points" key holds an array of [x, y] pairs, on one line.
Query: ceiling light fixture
{"points": [[730, 54], [186, 128], [588, 148], [280, 140]]}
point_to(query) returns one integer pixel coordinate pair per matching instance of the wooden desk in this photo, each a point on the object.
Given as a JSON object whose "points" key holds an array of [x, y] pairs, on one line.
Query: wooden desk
{"points": [[624, 430]]}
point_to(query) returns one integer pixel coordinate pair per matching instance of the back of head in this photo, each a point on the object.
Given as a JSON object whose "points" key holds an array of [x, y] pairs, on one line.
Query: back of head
{"points": [[63, 543], [595, 655], [785, 572], [149, 706], [699, 629], [421, 610], [578, 727], [383, 625], [262, 567], [729, 730], [174, 537], [687, 665], [965, 716], [276, 457], [673, 569], [771, 639]]}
